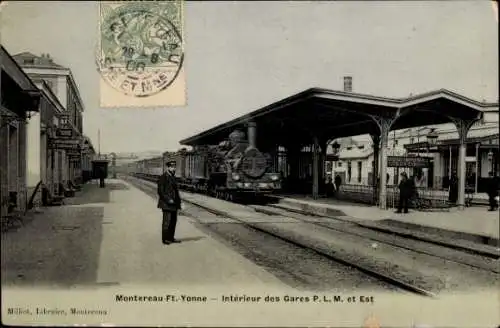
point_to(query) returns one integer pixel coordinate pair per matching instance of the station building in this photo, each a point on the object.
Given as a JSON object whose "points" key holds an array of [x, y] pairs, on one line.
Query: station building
{"points": [[20, 99], [55, 154]]}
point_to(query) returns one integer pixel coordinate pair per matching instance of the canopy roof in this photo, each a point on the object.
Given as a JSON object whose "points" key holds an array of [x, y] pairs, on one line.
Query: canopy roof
{"points": [[329, 114]]}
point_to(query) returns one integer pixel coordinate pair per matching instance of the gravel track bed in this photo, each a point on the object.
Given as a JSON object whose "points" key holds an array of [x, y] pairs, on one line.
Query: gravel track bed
{"points": [[297, 267], [427, 272], [477, 261]]}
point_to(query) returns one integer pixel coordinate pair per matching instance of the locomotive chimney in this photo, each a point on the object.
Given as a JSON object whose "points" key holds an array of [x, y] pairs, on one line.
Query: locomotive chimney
{"points": [[252, 134]]}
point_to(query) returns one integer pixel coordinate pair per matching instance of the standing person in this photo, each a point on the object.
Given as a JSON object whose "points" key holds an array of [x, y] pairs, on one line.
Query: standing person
{"points": [[405, 192], [169, 201], [329, 188], [338, 182], [102, 175], [492, 191], [453, 194]]}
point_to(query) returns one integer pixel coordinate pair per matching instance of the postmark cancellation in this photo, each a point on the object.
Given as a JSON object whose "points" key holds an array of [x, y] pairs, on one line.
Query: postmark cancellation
{"points": [[140, 54]]}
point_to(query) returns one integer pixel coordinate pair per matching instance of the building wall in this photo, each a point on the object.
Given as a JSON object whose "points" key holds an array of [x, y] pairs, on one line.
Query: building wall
{"points": [[62, 89], [13, 164], [34, 156], [4, 160], [22, 197]]}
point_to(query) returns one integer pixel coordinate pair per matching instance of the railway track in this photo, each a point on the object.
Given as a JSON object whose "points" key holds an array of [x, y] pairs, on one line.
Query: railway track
{"points": [[476, 258], [370, 271]]}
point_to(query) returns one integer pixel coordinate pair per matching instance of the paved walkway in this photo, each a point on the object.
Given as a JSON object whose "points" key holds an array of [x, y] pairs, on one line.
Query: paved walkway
{"points": [[471, 220], [111, 236]]}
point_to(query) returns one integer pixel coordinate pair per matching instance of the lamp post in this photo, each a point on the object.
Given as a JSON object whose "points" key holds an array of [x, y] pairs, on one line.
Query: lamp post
{"points": [[335, 156], [432, 137], [335, 148]]}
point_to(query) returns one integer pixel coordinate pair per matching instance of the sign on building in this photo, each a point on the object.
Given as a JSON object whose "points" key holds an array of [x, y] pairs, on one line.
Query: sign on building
{"points": [[64, 144], [407, 161], [64, 133]]}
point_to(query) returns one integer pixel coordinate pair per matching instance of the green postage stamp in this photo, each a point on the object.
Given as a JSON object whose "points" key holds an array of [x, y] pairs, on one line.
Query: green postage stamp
{"points": [[140, 53]]}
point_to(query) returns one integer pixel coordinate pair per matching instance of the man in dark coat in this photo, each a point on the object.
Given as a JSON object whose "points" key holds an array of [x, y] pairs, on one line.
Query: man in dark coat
{"points": [[406, 191], [492, 191], [453, 193], [169, 201]]}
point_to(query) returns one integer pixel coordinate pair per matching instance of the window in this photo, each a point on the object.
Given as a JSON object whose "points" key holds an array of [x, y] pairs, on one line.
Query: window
{"points": [[412, 140], [395, 142], [360, 166], [29, 61], [348, 83], [339, 164]]}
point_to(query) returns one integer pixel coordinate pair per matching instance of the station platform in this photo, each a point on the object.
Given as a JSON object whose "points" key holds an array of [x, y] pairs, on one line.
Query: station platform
{"points": [[471, 223], [112, 236]]}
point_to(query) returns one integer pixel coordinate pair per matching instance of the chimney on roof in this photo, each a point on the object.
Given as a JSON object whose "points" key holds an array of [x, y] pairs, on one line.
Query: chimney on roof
{"points": [[348, 83]]}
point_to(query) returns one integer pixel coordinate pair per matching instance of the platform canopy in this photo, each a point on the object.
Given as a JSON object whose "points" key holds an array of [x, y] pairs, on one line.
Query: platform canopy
{"points": [[328, 114]]}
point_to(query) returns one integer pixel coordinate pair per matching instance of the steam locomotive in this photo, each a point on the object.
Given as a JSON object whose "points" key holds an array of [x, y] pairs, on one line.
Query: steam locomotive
{"points": [[234, 168]]}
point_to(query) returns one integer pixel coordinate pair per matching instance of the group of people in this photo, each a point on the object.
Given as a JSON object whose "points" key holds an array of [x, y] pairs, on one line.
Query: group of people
{"points": [[333, 187], [407, 191]]}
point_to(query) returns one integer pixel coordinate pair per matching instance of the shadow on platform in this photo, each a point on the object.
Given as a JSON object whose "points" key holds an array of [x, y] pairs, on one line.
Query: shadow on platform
{"points": [[91, 193], [182, 240], [60, 248]]}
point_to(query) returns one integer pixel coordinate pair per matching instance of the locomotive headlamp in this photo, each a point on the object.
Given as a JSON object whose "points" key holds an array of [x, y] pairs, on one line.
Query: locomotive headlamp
{"points": [[235, 176], [275, 177]]}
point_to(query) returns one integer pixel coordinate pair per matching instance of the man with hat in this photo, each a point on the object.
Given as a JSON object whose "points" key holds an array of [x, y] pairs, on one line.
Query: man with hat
{"points": [[169, 201]]}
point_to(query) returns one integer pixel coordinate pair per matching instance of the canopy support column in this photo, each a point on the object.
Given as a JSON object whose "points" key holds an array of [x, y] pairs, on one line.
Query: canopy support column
{"points": [[384, 125], [376, 159], [292, 160], [323, 144], [315, 168], [463, 127], [478, 162]]}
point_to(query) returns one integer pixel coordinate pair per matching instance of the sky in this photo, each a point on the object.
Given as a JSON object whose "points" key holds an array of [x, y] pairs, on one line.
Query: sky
{"points": [[241, 56]]}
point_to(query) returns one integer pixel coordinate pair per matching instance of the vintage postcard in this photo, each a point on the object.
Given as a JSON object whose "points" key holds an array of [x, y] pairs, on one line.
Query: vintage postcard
{"points": [[250, 163]]}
